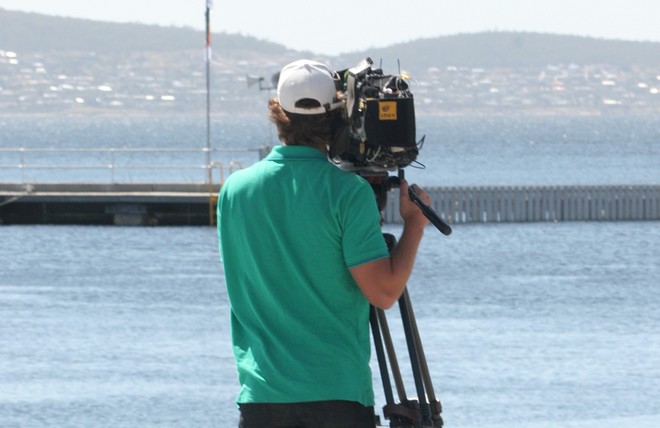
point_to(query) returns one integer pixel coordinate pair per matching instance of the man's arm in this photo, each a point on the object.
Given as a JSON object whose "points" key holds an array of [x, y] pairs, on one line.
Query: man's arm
{"points": [[382, 281]]}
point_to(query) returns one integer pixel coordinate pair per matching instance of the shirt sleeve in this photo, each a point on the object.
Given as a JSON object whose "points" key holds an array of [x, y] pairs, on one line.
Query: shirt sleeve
{"points": [[362, 239]]}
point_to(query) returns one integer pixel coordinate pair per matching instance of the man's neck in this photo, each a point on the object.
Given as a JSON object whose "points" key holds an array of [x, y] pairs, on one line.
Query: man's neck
{"points": [[321, 147]]}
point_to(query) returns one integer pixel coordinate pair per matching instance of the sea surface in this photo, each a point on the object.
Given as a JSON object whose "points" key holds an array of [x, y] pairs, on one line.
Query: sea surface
{"points": [[464, 150], [532, 325]]}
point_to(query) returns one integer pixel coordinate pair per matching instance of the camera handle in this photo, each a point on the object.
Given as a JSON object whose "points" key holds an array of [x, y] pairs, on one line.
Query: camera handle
{"points": [[429, 212], [425, 411]]}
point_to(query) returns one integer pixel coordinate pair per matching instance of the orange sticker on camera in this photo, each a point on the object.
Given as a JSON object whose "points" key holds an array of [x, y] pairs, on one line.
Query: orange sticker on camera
{"points": [[387, 110]]}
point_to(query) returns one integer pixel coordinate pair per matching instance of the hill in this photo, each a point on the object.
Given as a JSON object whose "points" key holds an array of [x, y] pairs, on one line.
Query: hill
{"points": [[30, 32], [55, 64], [508, 49]]}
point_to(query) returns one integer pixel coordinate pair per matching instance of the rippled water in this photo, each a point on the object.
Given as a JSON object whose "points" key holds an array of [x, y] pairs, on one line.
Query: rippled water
{"points": [[533, 325], [457, 150]]}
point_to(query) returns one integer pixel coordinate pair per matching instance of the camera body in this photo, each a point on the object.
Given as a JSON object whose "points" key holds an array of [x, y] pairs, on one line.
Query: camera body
{"points": [[378, 123]]}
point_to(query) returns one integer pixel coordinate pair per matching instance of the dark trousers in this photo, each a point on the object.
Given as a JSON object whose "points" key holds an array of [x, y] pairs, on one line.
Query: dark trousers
{"points": [[314, 414]]}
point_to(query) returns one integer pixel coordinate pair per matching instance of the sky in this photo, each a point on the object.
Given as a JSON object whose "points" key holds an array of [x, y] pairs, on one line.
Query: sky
{"points": [[338, 26]]}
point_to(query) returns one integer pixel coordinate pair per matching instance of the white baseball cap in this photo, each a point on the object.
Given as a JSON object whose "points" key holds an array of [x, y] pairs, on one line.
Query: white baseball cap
{"points": [[307, 79]]}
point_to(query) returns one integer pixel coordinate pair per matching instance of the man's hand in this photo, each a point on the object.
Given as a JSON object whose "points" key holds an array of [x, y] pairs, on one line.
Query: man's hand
{"points": [[411, 214]]}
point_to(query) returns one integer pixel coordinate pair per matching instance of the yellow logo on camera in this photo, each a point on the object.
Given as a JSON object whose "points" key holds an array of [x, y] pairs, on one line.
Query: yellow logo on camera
{"points": [[387, 110]]}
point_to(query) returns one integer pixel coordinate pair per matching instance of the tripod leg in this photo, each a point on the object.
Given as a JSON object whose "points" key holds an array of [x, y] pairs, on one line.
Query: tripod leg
{"points": [[413, 413], [391, 355], [380, 354], [406, 413], [434, 403], [404, 306]]}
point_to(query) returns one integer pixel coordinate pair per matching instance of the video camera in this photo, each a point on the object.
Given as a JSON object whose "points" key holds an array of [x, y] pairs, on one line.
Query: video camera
{"points": [[378, 129]]}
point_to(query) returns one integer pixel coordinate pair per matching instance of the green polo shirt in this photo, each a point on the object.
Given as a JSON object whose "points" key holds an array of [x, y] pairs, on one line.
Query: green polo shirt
{"points": [[290, 227]]}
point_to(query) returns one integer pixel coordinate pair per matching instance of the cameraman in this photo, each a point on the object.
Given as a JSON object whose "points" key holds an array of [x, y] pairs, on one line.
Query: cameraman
{"points": [[304, 256]]}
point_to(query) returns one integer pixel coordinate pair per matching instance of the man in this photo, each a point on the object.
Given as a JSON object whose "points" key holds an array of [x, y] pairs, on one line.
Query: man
{"points": [[304, 256]]}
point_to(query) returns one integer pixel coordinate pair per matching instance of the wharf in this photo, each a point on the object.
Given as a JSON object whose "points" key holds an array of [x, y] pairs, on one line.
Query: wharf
{"points": [[107, 204], [194, 204]]}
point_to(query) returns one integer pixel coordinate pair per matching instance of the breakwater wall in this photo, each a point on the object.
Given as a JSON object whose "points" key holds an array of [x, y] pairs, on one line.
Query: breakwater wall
{"points": [[194, 204], [540, 203]]}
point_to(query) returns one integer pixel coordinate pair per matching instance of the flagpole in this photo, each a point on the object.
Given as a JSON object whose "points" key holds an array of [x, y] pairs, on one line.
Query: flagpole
{"points": [[209, 6]]}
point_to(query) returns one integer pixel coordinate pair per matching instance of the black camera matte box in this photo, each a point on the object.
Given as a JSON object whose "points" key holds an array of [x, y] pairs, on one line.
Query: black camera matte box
{"points": [[390, 122]]}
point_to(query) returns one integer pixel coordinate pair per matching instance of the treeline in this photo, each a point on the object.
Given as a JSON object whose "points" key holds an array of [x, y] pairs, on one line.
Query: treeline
{"points": [[511, 49], [30, 32]]}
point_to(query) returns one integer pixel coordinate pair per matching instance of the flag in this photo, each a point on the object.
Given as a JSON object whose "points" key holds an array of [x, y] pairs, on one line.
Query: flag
{"points": [[209, 6]]}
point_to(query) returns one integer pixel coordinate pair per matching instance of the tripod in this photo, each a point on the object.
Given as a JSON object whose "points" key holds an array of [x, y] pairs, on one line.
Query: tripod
{"points": [[426, 409]]}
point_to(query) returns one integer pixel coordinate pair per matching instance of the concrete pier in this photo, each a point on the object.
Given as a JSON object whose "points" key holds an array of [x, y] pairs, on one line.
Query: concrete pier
{"points": [[108, 204], [194, 204]]}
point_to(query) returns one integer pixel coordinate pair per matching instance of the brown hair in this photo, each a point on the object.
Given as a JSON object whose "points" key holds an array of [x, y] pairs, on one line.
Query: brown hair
{"points": [[295, 129]]}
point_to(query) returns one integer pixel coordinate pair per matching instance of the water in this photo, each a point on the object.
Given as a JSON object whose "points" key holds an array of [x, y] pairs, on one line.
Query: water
{"points": [[108, 327], [534, 325], [457, 151]]}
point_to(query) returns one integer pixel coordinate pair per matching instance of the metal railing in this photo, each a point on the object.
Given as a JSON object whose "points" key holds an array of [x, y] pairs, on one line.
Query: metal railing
{"points": [[107, 164]]}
